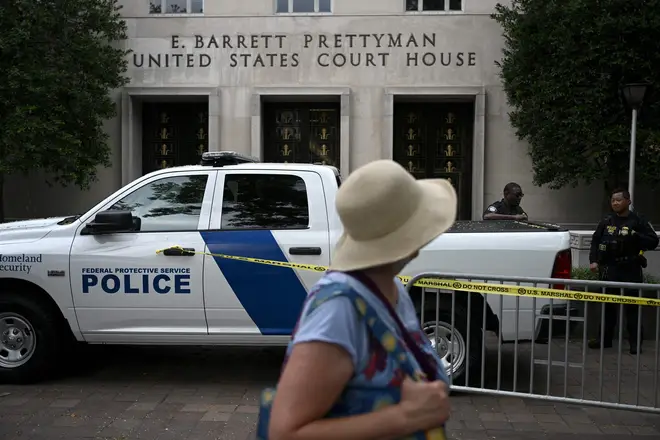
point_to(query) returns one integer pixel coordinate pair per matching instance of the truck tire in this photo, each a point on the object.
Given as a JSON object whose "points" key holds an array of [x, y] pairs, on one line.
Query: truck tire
{"points": [[30, 339], [457, 362]]}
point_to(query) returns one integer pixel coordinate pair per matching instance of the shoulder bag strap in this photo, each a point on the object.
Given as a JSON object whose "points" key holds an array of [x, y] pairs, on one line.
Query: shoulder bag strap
{"points": [[368, 315], [423, 360]]}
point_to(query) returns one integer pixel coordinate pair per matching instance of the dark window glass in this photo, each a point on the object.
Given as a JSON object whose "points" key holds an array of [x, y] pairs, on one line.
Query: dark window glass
{"points": [[303, 6], [282, 6], [169, 204], [176, 7], [252, 201], [324, 6], [412, 5], [433, 5], [197, 6], [455, 5]]}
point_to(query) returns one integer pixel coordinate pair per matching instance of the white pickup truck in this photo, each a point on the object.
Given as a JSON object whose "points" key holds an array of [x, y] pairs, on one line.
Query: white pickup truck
{"points": [[97, 277]]}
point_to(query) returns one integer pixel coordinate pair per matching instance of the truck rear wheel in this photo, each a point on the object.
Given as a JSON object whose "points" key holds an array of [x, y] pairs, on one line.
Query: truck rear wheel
{"points": [[29, 339], [452, 347]]}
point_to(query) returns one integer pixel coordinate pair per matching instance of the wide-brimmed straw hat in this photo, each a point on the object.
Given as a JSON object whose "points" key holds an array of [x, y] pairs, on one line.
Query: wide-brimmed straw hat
{"points": [[388, 215]]}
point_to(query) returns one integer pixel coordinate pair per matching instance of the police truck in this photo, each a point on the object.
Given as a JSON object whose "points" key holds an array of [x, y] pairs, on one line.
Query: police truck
{"points": [[189, 256]]}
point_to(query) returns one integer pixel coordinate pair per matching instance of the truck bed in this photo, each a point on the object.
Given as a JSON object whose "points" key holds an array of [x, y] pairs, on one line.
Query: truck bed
{"points": [[481, 226]]}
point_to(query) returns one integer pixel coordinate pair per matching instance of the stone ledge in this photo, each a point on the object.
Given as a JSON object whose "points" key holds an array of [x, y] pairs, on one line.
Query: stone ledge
{"points": [[581, 240]]}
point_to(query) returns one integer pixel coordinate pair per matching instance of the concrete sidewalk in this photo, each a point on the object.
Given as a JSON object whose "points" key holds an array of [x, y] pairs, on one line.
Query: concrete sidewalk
{"points": [[164, 393]]}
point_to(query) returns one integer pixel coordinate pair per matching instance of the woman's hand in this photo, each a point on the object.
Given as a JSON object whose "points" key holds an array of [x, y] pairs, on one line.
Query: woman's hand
{"points": [[425, 405]]}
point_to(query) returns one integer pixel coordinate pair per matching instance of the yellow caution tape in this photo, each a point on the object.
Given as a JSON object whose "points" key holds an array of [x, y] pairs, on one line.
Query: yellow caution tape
{"points": [[464, 286]]}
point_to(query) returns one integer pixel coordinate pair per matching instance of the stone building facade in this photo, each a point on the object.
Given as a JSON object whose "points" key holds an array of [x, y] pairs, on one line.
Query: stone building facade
{"points": [[351, 82]]}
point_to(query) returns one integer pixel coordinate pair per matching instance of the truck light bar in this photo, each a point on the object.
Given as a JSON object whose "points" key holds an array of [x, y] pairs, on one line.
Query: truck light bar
{"points": [[224, 158]]}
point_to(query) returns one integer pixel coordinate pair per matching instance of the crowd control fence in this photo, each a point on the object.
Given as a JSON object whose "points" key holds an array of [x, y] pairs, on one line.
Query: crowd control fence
{"points": [[544, 338], [549, 334]]}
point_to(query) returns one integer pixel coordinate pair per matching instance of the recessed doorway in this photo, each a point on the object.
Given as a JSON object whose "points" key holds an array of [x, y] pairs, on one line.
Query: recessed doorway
{"points": [[174, 133], [434, 140], [301, 130]]}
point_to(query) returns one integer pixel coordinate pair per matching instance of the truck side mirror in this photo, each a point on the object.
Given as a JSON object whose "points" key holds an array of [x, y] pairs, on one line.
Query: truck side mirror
{"points": [[108, 222]]}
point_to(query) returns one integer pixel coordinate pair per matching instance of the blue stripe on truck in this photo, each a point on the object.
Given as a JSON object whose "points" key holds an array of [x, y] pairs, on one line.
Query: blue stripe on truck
{"points": [[271, 295]]}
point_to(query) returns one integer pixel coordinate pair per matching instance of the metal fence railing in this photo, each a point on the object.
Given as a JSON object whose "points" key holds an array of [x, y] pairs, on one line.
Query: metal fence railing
{"points": [[545, 338]]}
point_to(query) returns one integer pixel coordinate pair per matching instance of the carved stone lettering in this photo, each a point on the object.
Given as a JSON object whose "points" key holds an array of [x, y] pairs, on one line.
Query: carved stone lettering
{"points": [[252, 51]]}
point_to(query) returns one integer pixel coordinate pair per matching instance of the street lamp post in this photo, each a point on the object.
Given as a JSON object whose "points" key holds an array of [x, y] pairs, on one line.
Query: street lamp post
{"points": [[633, 94]]}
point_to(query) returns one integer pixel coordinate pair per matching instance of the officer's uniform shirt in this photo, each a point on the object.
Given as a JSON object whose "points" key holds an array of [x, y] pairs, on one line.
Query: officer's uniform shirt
{"points": [[501, 207], [614, 228]]}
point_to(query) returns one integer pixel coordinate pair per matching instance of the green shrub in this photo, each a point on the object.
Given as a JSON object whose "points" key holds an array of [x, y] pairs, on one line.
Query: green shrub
{"points": [[562, 65], [583, 273]]}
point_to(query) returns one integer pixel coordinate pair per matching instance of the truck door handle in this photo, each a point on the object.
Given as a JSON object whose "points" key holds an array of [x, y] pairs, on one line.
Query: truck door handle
{"points": [[179, 252], [305, 251]]}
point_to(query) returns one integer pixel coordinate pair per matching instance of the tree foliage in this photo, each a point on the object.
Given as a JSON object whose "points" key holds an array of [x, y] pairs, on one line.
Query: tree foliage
{"points": [[60, 60], [562, 68]]}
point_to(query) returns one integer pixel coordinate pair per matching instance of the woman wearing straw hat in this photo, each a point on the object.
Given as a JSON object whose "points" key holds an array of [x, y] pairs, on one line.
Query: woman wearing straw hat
{"points": [[359, 365]]}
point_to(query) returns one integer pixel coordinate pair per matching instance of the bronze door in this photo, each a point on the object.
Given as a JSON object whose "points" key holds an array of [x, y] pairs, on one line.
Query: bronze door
{"points": [[434, 140], [174, 134], [302, 133]]}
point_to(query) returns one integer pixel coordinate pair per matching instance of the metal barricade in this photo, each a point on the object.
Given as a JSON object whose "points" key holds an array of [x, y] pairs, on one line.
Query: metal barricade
{"points": [[468, 316]]}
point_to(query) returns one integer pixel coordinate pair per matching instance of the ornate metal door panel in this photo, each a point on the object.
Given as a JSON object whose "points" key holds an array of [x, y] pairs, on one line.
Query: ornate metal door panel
{"points": [[174, 134], [435, 140], [301, 132]]}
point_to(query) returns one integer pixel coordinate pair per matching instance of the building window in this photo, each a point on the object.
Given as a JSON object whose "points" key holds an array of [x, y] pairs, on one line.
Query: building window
{"points": [[433, 5], [303, 6], [262, 201], [176, 6]]}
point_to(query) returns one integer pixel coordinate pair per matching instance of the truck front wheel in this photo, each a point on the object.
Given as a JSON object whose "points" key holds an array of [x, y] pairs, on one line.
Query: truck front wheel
{"points": [[29, 341], [452, 346]]}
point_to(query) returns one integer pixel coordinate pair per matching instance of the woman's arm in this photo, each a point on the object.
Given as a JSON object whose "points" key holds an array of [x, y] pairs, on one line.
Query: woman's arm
{"points": [[315, 375]]}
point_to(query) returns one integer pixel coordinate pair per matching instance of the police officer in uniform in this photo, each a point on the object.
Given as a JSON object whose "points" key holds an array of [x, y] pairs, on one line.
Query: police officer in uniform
{"points": [[617, 248], [509, 207]]}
